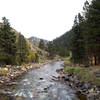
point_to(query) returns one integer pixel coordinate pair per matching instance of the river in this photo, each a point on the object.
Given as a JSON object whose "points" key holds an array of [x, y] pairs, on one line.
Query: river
{"points": [[38, 84]]}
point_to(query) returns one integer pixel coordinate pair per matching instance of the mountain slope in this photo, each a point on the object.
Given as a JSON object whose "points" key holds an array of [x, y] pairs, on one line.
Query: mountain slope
{"points": [[36, 40], [62, 44]]}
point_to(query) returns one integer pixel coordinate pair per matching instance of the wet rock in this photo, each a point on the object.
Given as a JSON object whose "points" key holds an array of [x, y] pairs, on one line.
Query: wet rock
{"points": [[54, 78], [41, 78], [12, 83], [70, 75], [45, 88], [5, 91], [59, 70], [66, 79], [93, 96], [80, 84], [88, 86], [63, 77], [81, 96]]}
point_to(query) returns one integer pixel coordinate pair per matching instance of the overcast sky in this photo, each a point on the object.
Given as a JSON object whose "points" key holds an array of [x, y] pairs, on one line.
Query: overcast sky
{"points": [[45, 19]]}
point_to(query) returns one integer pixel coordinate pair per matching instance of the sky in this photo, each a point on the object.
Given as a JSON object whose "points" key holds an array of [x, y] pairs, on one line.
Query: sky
{"points": [[46, 19]]}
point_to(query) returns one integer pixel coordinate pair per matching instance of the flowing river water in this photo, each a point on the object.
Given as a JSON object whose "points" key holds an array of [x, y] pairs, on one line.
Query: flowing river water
{"points": [[38, 84]]}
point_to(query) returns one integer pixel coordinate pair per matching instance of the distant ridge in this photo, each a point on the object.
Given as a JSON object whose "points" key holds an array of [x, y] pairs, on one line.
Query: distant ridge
{"points": [[36, 39]]}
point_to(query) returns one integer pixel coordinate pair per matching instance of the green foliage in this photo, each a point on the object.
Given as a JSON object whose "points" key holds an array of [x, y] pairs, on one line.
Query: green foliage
{"points": [[51, 50], [36, 57], [67, 63], [92, 34], [31, 57], [39, 52], [22, 49], [73, 70], [62, 44], [83, 40], [42, 44], [79, 72], [2, 66], [7, 43], [87, 76], [14, 48], [77, 41]]}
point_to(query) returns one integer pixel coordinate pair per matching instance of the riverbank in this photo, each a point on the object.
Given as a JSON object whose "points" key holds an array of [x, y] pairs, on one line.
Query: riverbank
{"points": [[9, 73], [82, 82], [39, 85]]}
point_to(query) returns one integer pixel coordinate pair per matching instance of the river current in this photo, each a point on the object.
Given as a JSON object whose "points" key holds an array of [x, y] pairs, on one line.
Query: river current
{"points": [[39, 84]]}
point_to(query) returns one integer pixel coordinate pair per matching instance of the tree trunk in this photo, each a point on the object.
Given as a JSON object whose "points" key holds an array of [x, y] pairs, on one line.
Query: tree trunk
{"points": [[95, 58]]}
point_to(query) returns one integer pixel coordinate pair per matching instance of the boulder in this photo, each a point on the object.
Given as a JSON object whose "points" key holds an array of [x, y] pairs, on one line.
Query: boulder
{"points": [[41, 78], [66, 79]]}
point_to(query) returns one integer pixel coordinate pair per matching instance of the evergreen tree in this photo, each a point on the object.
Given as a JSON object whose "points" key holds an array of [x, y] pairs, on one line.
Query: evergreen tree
{"points": [[74, 42], [51, 50], [84, 36], [77, 41], [7, 43], [41, 44], [92, 34], [22, 49]]}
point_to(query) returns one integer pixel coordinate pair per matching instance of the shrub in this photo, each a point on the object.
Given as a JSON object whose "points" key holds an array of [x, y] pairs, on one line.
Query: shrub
{"points": [[78, 71], [31, 57], [3, 65], [67, 63], [73, 70], [4, 71], [87, 76]]}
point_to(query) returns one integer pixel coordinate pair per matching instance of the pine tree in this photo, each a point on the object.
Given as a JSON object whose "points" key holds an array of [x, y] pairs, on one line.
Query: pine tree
{"points": [[22, 49], [51, 50], [41, 44], [77, 44], [8, 43], [92, 35]]}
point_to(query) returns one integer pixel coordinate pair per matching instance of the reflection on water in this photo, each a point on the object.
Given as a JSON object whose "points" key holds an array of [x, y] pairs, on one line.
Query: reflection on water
{"points": [[38, 85]]}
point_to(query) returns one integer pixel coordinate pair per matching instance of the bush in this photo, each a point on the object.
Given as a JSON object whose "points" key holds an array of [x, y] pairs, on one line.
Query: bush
{"points": [[3, 65], [4, 71], [78, 71], [31, 57], [6, 59], [67, 63], [87, 76], [73, 70]]}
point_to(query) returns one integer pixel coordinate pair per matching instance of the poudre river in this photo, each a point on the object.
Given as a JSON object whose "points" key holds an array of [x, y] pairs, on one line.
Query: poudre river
{"points": [[39, 84]]}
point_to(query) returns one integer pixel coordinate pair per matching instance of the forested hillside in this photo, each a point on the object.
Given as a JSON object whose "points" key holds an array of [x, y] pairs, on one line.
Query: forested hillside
{"points": [[15, 48], [62, 44], [83, 41]]}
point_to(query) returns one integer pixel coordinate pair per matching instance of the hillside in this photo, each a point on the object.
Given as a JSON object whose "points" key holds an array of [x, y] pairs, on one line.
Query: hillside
{"points": [[62, 44], [33, 46], [83, 41], [15, 48]]}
